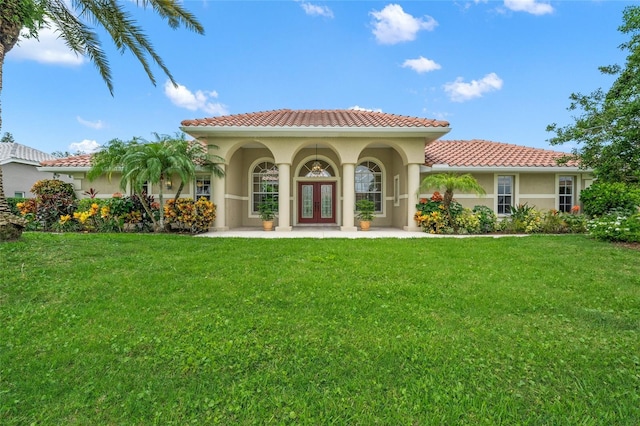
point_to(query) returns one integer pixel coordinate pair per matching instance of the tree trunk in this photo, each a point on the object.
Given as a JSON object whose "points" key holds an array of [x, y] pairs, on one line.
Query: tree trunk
{"points": [[11, 226], [448, 198]]}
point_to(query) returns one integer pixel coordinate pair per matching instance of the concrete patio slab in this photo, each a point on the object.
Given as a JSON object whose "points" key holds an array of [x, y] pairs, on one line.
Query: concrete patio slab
{"points": [[323, 232]]}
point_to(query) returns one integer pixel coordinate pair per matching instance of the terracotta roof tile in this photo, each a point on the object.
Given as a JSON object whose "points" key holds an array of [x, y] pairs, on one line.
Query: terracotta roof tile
{"points": [[481, 153], [315, 118], [83, 160]]}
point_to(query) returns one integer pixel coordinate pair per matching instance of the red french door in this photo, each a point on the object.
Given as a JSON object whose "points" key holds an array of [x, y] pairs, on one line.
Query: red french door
{"points": [[316, 202]]}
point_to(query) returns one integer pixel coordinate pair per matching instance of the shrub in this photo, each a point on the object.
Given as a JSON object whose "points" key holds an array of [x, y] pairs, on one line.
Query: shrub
{"points": [[523, 219], [54, 198], [190, 216], [487, 218], [602, 197], [432, 217], [13, 204], [467, 222], [615, 227]]}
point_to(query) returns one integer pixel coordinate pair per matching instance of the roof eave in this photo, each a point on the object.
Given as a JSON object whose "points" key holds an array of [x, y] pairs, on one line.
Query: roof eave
{"points": [[63, 169], [435, 168], [431, 133]]}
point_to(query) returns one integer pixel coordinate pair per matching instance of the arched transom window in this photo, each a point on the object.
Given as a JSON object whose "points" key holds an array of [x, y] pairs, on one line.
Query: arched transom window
{"points": [[316, 169], [369, 183], [264, 184]]}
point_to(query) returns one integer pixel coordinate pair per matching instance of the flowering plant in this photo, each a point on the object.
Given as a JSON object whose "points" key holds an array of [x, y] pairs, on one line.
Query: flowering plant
{"points": [[185, 214]]}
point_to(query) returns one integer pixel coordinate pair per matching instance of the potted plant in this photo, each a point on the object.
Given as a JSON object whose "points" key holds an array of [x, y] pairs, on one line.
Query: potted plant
{"points": [[267, 209], [365, 215]]}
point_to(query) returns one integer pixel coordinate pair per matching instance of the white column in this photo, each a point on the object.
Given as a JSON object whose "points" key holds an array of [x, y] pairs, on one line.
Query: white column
{"points": [[348, 196], [413, 184], [284, 196], [218, 198]]}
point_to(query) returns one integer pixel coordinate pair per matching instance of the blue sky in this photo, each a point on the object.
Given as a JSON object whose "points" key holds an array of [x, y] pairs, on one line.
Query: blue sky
{"points": [[496, 70]]}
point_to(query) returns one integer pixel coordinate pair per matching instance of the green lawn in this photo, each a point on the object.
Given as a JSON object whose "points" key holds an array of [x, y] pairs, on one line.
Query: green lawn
{"points": [[166, 329]]}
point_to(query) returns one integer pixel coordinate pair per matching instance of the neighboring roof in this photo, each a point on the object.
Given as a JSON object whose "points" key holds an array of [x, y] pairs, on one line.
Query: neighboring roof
{"points": [[83, 160], [15, 152], [286, 118], [481, 153]]}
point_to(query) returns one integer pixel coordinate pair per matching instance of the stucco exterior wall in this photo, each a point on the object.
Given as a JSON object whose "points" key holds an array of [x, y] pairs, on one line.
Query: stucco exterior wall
{"points": [[18, 177]]}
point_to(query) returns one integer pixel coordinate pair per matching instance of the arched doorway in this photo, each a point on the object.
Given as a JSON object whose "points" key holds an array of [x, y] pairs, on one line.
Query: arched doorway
{"points": [[316, 193]]}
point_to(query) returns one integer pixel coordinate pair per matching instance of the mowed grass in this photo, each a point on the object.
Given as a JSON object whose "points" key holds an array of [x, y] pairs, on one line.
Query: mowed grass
{"points": [[165, 329]]}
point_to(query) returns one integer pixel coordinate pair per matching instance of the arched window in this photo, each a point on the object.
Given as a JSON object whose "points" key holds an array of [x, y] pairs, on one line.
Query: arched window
{"points": [[369, 183], [264, 184], [316, 169]]}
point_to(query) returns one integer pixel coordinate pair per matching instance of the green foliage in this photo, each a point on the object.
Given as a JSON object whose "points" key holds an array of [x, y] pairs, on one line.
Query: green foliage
{"points": [[602, 197], [606, 130], [188, 215], [7, 138], [365, 210], [523, 219], [434, 218], [54, 198], [268, 207], [615, 226], [487, 218], [138, 329], [13, 204]]}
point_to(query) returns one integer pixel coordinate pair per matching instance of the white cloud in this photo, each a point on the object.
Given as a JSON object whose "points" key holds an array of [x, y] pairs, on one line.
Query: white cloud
{"points": [[421, 65], [530, 6], [359, 108], [46, 49], [315, 10], [200, 100], [92, 124], [460, 91], [86, 146], [393, 25]]}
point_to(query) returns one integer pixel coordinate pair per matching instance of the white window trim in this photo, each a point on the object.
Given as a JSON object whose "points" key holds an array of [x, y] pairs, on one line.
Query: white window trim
{"points": [[253, 165], [515, 192], [576, 189], [383, 170]]}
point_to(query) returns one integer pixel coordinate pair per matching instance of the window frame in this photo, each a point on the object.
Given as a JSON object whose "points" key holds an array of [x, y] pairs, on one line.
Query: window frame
{"points": [[205, 190], [571, 196], [253, 175], [377, 196], [505, 207]]}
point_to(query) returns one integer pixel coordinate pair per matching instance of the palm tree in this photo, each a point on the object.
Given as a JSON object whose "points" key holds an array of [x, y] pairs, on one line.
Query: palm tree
{"points": [[155, 162], [451, 182], [74, 21]]}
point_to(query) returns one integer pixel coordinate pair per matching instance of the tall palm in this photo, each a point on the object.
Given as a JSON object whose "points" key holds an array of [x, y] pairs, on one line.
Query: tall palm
{"points": [[74, 21], [451, 182], [156, 162]]}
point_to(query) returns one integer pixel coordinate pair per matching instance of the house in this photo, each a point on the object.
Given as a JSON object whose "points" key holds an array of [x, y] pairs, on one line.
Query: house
{"points": [[19, 168], [318, 163]]}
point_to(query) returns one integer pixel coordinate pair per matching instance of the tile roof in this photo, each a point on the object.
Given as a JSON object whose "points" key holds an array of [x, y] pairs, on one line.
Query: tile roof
{"points": [[467, 153], [19, 152], [316, 118], [83, 160], [481, 153]]}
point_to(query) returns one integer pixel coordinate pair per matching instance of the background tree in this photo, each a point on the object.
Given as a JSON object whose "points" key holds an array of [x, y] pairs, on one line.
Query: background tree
{"points": [[7, 138], [607, 130], [74, 22], [451, 182]]}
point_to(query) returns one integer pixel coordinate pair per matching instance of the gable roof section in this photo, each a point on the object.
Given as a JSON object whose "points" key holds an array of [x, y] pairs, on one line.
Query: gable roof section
{"points": [[486, 154], [83, 160], [18, 153], [286, 118]]}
